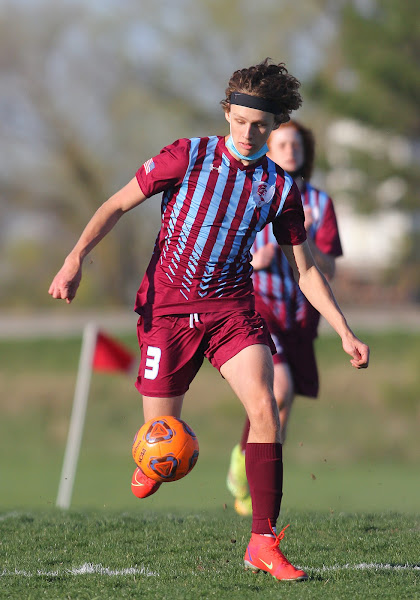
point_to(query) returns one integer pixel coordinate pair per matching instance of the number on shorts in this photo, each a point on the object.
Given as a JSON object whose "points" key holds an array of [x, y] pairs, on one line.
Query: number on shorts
{"points": [[152, 362]]}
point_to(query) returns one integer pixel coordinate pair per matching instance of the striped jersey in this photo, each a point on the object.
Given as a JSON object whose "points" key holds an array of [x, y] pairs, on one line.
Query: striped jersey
{"points": [[212, 208], [276, 286]]}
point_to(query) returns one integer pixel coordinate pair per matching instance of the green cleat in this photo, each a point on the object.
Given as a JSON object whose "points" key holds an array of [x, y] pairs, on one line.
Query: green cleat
{"points": [[244, 507], [236, 481]]}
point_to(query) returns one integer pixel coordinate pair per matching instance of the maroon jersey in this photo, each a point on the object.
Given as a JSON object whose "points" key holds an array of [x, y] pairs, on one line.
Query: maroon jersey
{"points": [[276, 286], [212, 208]]}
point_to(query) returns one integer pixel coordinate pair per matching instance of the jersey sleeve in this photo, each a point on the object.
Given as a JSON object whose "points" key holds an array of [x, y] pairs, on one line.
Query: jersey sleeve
{"points": [[166, 170], [288, 226], [327, 237]]}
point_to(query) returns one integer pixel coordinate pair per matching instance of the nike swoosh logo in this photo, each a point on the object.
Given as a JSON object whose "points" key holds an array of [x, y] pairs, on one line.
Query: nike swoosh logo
{"points": [[137, 482], [269, 566]]}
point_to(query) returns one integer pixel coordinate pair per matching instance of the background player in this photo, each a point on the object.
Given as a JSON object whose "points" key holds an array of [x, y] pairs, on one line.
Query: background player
{"points": [[196, 298], [291, 319]]}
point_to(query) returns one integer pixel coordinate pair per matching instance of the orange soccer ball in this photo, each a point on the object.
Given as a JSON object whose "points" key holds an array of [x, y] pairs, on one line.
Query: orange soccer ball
{"points": [[165, 449]]}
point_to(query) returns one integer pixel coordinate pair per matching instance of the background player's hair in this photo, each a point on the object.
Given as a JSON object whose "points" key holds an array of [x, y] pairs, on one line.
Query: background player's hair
{"points": [[308, 141], [269, 81]]}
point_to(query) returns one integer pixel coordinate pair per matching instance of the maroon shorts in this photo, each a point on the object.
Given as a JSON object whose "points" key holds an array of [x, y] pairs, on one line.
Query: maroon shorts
{"points": [[296, 349], [173, 347]]}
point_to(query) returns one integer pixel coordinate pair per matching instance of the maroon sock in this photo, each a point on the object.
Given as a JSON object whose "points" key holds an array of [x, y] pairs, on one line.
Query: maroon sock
{"points": [[264, 470], [245, 433]]}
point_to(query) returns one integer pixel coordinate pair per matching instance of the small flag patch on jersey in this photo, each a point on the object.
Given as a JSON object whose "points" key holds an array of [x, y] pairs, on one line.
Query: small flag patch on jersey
{"points": [[149, 165]]}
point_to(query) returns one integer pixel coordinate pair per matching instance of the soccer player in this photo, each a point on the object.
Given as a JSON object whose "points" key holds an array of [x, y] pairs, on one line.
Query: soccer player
{"points": [[291, 319], [196, 297]]}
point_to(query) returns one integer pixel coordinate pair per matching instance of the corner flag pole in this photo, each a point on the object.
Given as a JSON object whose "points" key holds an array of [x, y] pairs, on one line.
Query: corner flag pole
{"points": [[77, 421]]}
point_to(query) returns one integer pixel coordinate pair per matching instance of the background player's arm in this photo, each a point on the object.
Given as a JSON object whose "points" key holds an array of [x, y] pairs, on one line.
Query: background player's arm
{"points": [[316, 289], [67, 280], [263, 257]]}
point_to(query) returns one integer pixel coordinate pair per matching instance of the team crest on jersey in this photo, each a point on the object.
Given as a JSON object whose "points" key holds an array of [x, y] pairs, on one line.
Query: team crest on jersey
{"points": [[262, 193]]}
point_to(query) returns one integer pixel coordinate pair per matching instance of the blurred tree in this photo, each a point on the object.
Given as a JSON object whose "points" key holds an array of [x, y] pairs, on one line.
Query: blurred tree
{"points": [[68, 125], [88, 92], [372, 78]]}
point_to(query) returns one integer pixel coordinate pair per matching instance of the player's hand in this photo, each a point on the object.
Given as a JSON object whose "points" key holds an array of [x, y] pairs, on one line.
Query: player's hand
{"points": [[358, 351], [65, 283], [263, 257], [308, 217]]}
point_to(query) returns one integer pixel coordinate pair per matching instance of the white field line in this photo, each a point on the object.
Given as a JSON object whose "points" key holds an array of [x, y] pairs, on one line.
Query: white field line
{"points": [[10, 515], [364, 567], [89, 569], [85, 569]]}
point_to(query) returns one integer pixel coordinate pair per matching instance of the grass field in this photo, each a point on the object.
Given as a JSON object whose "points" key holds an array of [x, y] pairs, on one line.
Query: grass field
{"points": [[351, 484], [108, 555]]}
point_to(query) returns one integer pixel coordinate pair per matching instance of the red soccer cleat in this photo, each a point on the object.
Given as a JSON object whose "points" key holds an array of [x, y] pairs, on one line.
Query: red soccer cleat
{"points": [[263, 554], [142, 486]]}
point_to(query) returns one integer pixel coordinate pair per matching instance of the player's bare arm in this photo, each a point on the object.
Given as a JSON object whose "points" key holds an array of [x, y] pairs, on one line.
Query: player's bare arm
{"points": [[315, 287], [65, 284], [326, 262]]}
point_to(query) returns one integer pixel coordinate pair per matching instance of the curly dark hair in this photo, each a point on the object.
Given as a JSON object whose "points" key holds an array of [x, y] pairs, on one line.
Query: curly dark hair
{"points": [[308, 141], [269, 81]]}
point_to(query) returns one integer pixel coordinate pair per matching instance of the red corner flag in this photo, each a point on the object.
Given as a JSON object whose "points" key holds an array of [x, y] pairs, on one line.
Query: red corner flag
{"points": [[102, 353], [111, 355]]}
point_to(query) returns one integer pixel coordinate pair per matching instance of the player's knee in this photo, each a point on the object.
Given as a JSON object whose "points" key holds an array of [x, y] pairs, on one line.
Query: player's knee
{"points": [[263, 413], [284, 401]]}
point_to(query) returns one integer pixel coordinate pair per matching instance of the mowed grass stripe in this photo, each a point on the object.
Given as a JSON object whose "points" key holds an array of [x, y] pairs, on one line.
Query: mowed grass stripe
{"points": [[356, 448]]}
